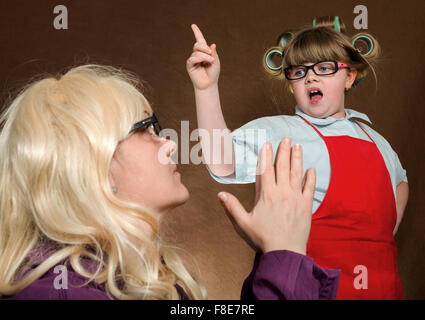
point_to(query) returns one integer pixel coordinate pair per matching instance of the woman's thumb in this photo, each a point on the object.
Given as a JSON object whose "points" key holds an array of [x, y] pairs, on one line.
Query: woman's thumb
{"points": [[233, 208]]}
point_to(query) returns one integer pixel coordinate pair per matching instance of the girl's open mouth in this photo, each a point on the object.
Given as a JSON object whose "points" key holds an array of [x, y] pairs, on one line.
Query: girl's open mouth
{"points": [[315, 96]]}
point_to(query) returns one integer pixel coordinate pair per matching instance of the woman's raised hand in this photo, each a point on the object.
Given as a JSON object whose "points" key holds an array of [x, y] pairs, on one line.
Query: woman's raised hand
{"points": [[281, 217], [203, 65]]}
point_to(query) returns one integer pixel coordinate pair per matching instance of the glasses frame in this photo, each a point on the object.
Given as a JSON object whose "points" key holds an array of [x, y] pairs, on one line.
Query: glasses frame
{"points": [[338, 65], [147, 122]]}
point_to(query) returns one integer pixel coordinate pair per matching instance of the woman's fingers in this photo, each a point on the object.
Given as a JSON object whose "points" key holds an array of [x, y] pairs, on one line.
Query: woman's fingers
{"points": [[234, 209], [257, 188], [268, 178], [236, 225], [283, 165], [198, 34], [289, 164], [309, 185], [296, 167]]}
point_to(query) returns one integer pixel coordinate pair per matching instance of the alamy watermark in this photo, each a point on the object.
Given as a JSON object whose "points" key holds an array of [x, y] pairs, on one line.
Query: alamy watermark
{"points": [[360, 21], [60, 21], [361, 280], [61, 281], [214, 148]]}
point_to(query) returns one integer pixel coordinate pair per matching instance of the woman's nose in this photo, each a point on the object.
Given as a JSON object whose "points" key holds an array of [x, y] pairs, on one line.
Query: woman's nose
{"points": [[171, 147], [166, 150]]}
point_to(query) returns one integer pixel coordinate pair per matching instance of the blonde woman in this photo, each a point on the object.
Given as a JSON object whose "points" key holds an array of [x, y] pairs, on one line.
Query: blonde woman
{"points": [[85, 179]]}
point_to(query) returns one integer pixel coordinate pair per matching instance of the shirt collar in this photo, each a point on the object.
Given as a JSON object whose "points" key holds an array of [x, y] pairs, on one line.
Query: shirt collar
{"points": [[349, 113]]}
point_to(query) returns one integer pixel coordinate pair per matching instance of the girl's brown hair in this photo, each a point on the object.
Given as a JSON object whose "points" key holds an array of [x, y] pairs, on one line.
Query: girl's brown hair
{"points": [[324, 42]]}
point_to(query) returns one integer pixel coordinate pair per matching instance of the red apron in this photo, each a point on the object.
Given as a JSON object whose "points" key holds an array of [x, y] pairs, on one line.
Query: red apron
{"points": [[352, 229]]}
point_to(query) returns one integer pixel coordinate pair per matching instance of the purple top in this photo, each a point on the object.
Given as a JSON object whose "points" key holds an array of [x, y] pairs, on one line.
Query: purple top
{"points": [[286, 275], [275, 275]]}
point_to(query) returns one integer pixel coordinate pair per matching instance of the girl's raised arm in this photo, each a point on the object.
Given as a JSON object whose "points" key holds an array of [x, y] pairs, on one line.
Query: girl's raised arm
{"points": [[203, 67]]}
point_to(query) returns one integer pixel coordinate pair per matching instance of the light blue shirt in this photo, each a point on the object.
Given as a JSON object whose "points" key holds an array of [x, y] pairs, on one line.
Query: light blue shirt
{"points": [[315, 152]]}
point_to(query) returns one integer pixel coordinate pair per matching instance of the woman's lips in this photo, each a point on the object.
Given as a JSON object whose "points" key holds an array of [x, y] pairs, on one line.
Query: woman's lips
{"points": [[175, 172]]}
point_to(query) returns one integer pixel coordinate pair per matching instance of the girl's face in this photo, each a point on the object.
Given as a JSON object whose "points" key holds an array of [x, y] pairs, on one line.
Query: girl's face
{"points": [[331, 100], [143, 172]]}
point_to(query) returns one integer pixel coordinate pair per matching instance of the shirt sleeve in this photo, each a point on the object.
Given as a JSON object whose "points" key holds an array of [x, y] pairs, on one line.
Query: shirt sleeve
{"points": [[397, 172], [401, 175], [286, 275], [247, 143]]}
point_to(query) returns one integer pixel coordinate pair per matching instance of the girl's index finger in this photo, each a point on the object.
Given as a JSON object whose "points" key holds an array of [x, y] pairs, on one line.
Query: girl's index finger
{"points": [[198, 34]]}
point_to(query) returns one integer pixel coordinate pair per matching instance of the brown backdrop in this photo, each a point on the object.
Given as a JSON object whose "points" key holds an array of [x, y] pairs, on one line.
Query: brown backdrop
{"points": [[154, 39]]}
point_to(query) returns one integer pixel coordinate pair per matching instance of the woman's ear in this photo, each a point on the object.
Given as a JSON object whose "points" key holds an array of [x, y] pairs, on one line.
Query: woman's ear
{"points": [[111, 175], [351, 77], [112, 182]]}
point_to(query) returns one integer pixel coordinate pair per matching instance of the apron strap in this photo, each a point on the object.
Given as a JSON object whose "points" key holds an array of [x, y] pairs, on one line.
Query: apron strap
{"points": [[364, 131], [322, 135]]}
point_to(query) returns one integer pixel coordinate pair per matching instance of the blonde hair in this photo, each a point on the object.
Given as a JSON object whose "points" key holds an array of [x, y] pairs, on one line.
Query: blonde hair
{"points": [[57, 143], [323, 42]]}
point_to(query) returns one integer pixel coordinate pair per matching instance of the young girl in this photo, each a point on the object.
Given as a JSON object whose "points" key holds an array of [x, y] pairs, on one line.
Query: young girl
{"points": [[361, 188]]}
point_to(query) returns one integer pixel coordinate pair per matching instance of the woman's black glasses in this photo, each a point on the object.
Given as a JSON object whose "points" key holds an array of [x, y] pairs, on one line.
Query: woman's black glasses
{"points": [[153, 121]]}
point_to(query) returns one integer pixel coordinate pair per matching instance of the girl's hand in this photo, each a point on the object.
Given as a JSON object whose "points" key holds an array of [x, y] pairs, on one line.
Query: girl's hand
{"points": [[281, 217], [203, 65]]}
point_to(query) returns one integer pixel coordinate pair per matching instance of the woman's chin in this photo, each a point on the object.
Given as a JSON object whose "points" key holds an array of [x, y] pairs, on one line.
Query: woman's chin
{"points": [[186, 195], [181, 196]]}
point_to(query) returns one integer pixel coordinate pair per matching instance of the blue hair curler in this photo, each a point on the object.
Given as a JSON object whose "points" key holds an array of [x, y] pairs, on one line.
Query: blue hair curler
{"points": [[282, 42], [369, 43], [284, 39], [337, 25], [269, 61]]}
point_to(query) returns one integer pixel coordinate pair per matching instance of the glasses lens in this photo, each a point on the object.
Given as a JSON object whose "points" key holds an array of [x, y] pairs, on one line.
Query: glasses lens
{"points": [[295, 72], [325, 67]]}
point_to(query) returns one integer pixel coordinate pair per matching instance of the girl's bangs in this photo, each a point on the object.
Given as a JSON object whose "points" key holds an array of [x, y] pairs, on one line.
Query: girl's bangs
{"points": [[313, 47]]}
